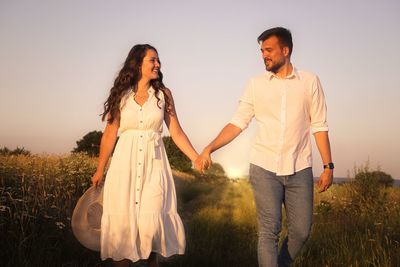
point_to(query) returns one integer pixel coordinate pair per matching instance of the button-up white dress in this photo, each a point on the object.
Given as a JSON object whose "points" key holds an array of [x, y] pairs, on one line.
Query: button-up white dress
{"points": [[139, 203]]}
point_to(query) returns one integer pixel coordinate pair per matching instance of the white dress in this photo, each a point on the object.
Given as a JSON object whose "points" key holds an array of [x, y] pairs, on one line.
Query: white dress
{"points": [[139, 203]]}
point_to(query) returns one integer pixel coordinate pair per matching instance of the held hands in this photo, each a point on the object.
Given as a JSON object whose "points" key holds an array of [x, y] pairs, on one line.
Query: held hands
{"points": [[203, 162], [325, 180]]}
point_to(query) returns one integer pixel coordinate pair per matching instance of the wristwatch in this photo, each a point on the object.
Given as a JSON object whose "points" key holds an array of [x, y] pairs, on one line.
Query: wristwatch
{"points": [[329, 166]]}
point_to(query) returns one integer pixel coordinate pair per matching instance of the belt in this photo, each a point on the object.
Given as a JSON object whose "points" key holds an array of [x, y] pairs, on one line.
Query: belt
{"points": [[153, 137]]}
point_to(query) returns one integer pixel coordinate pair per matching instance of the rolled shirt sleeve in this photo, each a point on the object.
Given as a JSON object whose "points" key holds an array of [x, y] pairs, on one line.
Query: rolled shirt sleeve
{"points": [[318, 109], [245, 110]]}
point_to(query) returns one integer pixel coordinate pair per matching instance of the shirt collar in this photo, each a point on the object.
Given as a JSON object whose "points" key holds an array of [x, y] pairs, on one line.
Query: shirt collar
{"points": [[151, 90], [294, 74]]}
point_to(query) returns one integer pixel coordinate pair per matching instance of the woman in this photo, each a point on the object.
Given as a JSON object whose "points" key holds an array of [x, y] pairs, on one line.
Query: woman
{"points": [[139, 218]]}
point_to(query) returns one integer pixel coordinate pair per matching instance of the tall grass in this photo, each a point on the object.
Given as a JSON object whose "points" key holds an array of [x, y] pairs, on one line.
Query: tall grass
{"points": [[37, 197], [38, 194], [222, 230], [353, 229], [350, 228]]}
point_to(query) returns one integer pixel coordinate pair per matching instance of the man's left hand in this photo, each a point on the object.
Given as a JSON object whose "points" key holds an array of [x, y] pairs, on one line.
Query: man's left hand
{"points": [[325, 180]]}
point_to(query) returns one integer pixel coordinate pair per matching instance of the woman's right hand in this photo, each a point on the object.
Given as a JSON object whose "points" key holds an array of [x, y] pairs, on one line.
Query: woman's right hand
{"points": [[97, 178]]}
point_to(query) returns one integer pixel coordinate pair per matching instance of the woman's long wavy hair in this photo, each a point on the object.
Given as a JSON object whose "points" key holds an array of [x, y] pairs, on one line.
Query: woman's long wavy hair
{"points": [[128, 79]]}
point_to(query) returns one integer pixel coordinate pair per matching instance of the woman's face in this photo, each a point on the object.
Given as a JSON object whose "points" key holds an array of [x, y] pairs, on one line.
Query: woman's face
{"points": [[150, 65]]}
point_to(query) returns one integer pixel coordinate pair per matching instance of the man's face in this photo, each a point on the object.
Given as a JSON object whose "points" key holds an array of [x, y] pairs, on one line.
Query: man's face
{"points": [[273, 54]]}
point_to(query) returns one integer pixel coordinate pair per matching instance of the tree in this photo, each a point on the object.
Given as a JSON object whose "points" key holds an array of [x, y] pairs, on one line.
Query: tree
{"points": [[176, 158], [90, 143], [5, 151]]}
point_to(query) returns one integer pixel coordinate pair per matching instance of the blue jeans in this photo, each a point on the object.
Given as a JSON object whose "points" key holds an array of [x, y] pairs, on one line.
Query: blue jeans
{"points": [[295, 192]]}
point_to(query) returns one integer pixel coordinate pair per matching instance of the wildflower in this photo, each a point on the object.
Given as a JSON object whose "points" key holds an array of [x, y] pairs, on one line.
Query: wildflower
{"points": [[60, 225]]}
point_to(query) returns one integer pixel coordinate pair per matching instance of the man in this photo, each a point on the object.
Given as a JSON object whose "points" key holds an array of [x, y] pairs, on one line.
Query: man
{"points": [[286, 104]]}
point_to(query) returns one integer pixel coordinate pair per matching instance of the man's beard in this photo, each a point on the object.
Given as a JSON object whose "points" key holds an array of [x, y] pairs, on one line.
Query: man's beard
{"points": [[275, 66]]}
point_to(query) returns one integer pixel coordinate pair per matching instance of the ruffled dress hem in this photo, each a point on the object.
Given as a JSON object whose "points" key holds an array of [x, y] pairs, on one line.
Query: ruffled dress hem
{"points": [[160, 233]]}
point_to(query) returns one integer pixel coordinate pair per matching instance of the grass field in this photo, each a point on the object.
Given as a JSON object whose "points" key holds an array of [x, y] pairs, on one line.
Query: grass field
{"points": [[38, 194]]}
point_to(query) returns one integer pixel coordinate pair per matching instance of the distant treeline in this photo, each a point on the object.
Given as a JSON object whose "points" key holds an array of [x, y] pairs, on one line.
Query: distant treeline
{"points": [[5, 151]]}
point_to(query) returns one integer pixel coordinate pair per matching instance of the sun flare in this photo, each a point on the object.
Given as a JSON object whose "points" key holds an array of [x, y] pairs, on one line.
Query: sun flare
{"points": [[235, 172]]}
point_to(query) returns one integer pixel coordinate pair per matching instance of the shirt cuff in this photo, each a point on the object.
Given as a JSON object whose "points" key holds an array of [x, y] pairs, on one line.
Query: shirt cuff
{"points": [[319, 129], [240, 124]]}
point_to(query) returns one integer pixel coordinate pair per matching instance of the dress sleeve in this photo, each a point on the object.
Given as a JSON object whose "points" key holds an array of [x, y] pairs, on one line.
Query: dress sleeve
{"points": [[245, 110], [318, 108]]}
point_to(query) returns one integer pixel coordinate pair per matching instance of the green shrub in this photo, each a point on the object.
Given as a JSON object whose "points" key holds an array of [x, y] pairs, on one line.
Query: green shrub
{"points": [[216, 170], [177, 159], [378, 178], [192, 190], [367, 192]]}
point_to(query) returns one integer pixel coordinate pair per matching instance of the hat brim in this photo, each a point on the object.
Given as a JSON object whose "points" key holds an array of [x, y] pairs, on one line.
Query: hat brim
{"points": [[86, 218]]}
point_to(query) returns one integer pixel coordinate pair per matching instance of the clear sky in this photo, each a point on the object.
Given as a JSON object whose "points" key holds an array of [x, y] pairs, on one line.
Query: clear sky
{"points": [[58, 60]]}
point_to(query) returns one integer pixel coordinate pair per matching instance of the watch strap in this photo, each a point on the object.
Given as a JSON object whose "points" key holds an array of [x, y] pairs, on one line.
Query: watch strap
{"points": [[330, 165]]}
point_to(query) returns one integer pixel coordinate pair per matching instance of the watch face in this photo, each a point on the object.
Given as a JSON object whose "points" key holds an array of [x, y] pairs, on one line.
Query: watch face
{"points": [[330, 165]]}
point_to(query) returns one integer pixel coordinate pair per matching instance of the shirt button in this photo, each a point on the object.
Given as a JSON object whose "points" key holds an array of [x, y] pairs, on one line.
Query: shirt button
{"points": [[141, 136], [141, 121], [140, 163], [140, 149], [140, 109], [137, 203]]}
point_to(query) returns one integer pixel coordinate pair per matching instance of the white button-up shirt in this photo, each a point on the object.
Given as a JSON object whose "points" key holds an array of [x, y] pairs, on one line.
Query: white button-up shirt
{"points": [[285, 110]]}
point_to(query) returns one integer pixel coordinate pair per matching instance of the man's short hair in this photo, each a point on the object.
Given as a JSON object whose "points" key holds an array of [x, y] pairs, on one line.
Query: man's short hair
{"points": [[284, 36]]}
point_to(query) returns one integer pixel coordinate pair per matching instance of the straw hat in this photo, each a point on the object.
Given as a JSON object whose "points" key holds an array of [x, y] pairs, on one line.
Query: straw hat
{"points": [[86, 218]]}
